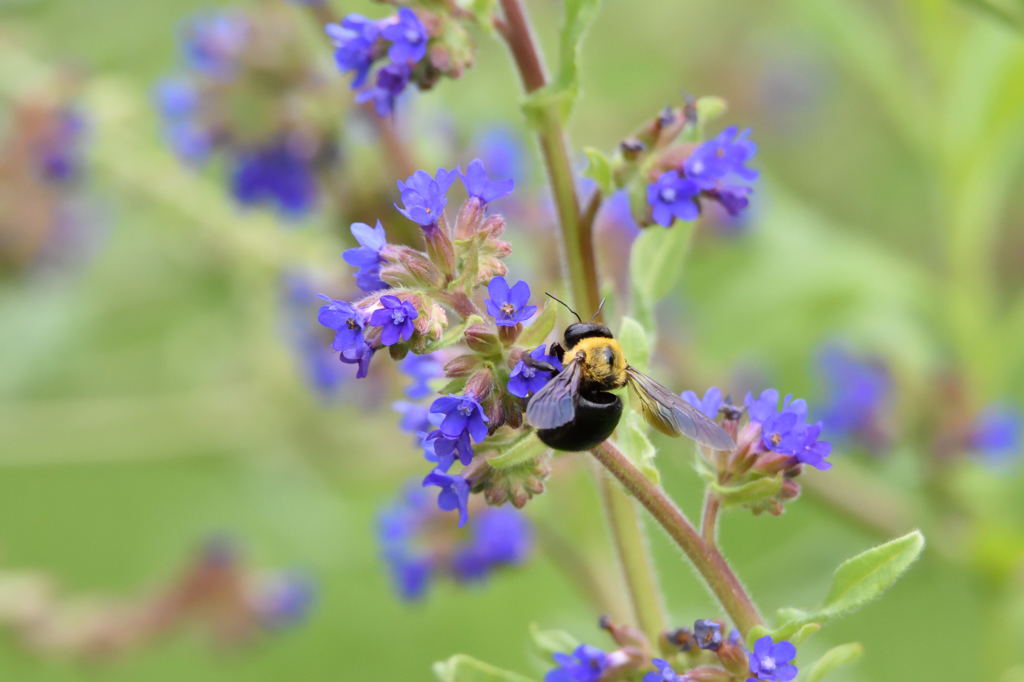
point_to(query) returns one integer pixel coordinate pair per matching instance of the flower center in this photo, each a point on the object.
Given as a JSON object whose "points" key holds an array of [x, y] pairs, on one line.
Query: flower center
{"points": [[529, 372], [351, 323], [412, 35], [668, 195], [776, 438], [466, 409], [507, 309], [720, 152], [398, 316], [767, 664]]}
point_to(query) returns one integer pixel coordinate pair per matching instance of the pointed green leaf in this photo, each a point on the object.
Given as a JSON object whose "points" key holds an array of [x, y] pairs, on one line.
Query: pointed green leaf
{"points": [[803, 633], [463, 668], [600, 170], [636, 343], [834, 658], [559, 95], [709, 108], [752, 491], [552, 641], [656, 263], [519, 452], [864, 577], [540, 328]]}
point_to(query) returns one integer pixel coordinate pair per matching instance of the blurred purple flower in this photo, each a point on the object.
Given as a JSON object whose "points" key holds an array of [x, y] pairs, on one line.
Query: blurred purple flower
{"points": [[709, 404], [586, 664], [478, 185], [389, 83], [408, 37], [453, 494], [275, 174], [353, 39], [367, 256], [672, 196]]}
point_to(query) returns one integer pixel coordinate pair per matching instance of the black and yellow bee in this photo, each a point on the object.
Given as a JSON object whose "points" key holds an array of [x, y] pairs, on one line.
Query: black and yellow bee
{"points": [[575, 411]]}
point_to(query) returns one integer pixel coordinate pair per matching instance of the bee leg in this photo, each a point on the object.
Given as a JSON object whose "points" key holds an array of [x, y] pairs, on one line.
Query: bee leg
{"points": [[556, 350]]}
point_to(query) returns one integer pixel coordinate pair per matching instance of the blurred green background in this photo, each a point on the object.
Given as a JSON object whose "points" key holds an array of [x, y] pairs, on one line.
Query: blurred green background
{"points": [[149, 398]]}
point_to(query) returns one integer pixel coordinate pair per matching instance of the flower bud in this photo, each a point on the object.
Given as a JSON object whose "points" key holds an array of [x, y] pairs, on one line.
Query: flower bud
{"points": [[516, 485], [462, 366], [790, 490], [772, 463], [407, 267], [483, 340], [493, 227], [439, 248], [508, 335], [470, 219], [682, 639], [480, 385], [708, 634], [734, 658]]}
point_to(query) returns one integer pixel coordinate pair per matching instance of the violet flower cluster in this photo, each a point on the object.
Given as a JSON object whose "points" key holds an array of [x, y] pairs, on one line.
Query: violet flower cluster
{"points": [[252, 93]]}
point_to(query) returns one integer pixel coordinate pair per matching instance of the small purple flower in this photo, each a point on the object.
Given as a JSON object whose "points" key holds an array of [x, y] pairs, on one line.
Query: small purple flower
{"points": [[502, 152], [996, 432], [359, 356], [763, 407], [397, 530], [810, 450], [408, 37], [665, 673], [725, 154], [424, 197], [394, 317], [499, 536], [526, 379], [389, 83], [443, 449], [288, 602], [421, 369], [345, 319], [275, 174], [708, 634], [672, 197], [454, 493], [586, 664], [415, 418], [317, 362], [770, 661], [353, 39], [367, 256], [858, 390], [462, 415], [177, 102], [709, 404], [477, 185], [508, 305]]}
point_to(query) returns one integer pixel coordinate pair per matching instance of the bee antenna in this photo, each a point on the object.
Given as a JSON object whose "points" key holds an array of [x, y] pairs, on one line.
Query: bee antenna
{"points": [[600, 307], [566, 306]]}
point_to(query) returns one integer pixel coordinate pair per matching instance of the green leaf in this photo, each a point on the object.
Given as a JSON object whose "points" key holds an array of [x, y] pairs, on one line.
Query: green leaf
{"points": [[539, 329], [519, 452], [833, 658], [709, 108], [600, 170], [483, 11], [552, 641], [560, 94], [656, 263], [636, 343], [864, 577], [453, 335], [753, 491], [463, 668], [632, 439], [803, 633]]}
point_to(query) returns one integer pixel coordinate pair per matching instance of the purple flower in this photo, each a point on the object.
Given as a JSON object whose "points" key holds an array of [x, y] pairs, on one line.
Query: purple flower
{"points": [[786, 431], [499, 536], [708, 634], [443, 449], [212, 43], [367, 256], [388, 85], [857, 393], [394, 317], [397, 529], [477, 185], [462, 415], [345, 319], [724, 155], [709, 404], [421, 369], [318, 363], [359, 356], [996, 432], [424, 197], [665, 673], [288, 602], [408, 37], [415, 418], [770, 661], [763, 407], [454, 493], [508, 306], [275, 174], [526, 379], [177, 102], [808, 449], [353, 39], [586, 664], [501, 150], [672, 196]]}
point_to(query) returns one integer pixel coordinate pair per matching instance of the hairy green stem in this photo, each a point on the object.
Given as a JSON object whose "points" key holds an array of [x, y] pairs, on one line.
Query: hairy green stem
{"points": [[706, 558]]}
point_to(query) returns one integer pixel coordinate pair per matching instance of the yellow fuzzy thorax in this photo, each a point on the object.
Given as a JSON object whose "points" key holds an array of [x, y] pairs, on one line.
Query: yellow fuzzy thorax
{"points": [[604, 364]]}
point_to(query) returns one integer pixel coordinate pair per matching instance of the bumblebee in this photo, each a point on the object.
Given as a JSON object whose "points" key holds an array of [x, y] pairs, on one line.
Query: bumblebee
{"points": [[575, 410]]}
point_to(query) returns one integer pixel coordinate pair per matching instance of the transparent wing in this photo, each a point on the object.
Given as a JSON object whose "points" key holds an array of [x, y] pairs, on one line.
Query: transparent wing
{"points": [[555, 404], [670, 414]]}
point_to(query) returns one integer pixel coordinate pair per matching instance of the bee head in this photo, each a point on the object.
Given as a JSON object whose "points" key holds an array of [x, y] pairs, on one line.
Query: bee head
{"points": [[575, 333]]}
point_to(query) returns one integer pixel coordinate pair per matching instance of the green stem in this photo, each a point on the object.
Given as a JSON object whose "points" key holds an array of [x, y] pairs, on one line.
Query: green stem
{"points": [[706, 558], [637, 564]]}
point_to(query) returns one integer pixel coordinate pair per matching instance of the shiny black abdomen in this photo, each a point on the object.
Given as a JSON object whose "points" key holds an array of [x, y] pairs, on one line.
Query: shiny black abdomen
{"points": [[597, 415], [574, 333]]}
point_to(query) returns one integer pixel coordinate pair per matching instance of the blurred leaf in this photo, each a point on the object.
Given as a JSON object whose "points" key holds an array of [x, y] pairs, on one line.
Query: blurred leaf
{"points": [[803, 633], [483, 11], [656, 264], [560, 94], [599, 169], [834, 658], [753, 491], [552, 641], [463, 668], [636, 343], [538, 331], [1005, 13], [632, 439], [709, 109]]}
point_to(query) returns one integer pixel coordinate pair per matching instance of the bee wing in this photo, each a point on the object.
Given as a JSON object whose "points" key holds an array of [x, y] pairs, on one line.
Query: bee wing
{"points": [[555, 404], [670, 414]]}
